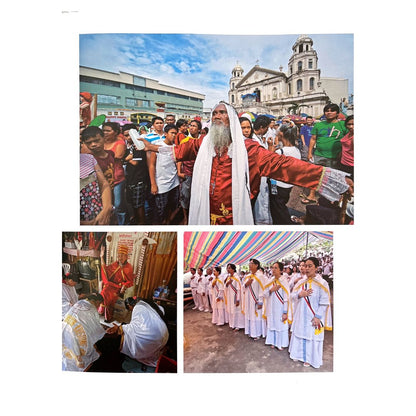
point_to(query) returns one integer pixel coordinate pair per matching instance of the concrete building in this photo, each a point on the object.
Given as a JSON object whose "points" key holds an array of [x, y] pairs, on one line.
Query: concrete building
{"points": [[121, 96], [300, 90]]}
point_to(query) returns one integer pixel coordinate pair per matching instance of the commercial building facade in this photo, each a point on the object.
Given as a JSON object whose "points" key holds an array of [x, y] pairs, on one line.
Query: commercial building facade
{"points": [[121, 96]]}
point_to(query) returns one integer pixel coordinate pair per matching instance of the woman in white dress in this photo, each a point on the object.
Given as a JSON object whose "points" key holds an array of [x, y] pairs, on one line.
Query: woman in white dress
{"points": [[311, 316], [232, 293], [218, 304]]}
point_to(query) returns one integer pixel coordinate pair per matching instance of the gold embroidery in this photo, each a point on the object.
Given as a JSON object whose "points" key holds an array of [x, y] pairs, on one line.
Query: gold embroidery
{"points": [[224, 210]]}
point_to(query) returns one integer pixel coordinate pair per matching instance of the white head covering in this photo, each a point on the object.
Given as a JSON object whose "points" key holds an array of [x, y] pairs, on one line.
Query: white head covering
{"points": [[199, 212]]}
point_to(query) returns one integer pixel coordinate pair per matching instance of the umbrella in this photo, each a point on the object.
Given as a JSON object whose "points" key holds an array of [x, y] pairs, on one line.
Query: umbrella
{"points": [[268, 115], [98, 120]]}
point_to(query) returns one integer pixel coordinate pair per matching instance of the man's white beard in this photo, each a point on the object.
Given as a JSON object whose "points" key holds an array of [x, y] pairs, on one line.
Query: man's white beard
{"points": [[220, 136]]}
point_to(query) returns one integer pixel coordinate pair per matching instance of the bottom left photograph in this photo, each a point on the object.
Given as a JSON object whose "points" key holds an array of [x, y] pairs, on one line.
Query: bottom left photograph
{"points": [[119, 302]]}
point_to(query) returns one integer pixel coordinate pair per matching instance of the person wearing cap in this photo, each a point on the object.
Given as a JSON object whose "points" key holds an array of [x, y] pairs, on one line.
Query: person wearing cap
{"points": [[117, 277], [228, 171]]}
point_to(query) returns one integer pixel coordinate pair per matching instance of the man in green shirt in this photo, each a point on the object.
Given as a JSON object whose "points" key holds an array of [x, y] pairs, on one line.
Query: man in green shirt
{"points": [[326, 136]]}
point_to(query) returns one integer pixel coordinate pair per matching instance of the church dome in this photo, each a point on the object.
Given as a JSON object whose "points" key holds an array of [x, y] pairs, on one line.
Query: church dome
{"points": [[237, 70], [302, 39]]}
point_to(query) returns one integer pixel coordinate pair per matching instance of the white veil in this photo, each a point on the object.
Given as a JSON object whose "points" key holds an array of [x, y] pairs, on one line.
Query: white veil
{"points": [[199, 211]]}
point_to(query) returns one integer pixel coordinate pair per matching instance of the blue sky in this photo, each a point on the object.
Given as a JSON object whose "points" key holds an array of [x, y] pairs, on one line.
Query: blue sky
{"points": [[203, 63]]}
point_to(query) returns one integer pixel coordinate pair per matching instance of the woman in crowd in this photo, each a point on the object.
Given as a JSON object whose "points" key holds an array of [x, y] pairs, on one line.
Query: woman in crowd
{"points": [[218, 305], [118, 146], [95, 193], [276, 295], [246, 127], [280, 191], [347, 152], [232, 294]]}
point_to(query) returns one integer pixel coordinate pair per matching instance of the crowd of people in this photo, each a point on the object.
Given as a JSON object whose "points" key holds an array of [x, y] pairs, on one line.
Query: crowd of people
{"points": [[287, 305], [89, 344], [236, 171]]}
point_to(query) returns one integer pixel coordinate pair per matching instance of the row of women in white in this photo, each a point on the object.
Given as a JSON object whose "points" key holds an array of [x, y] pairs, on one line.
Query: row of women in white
{"points": [[271, 307]]}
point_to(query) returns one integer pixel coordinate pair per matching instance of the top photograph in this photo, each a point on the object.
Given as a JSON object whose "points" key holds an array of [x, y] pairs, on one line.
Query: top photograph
{"points": [[189, 129]]}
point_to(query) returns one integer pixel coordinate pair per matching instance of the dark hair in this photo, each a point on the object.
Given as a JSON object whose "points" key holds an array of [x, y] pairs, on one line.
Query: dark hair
{"points": [[280, 264], [169, 127], [332, 106], [261, 122], [129, 127], [197, 122], [113, 125], [157, 118], [200, 268], [91, 131], [290, 133], [95, 297], [349, 118], [256, 262], [241, 119], [232, 266], [181, 122], [218, 269], [71, 275], [192, 269], [133, 301], [314, 260]]}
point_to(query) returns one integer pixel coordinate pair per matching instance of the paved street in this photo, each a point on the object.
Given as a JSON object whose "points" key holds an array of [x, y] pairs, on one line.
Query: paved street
{"points": [[217, 349]]}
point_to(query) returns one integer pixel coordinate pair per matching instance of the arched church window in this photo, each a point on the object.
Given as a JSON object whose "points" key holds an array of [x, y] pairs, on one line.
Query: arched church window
{"points": [[300, 66], [274, 93], [312, 83], [299, 85]]}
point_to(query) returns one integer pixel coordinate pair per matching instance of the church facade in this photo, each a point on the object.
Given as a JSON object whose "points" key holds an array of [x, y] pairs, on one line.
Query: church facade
{"points": [[300, 90]]}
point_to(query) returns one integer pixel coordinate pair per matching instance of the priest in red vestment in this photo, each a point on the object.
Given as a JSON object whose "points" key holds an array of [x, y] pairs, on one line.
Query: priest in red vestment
{"points": [[228, 169], [117, 277]]}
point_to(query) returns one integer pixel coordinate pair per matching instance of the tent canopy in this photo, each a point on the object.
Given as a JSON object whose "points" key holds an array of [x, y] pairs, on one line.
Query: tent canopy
{"points": [[204, 249]]}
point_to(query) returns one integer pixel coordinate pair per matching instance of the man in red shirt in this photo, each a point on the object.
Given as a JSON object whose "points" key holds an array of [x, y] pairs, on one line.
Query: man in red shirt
{"points": [[117, 277]]}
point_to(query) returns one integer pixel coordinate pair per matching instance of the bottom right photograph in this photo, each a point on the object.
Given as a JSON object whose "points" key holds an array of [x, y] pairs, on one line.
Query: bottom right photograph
{"points": [[258, 302]]}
